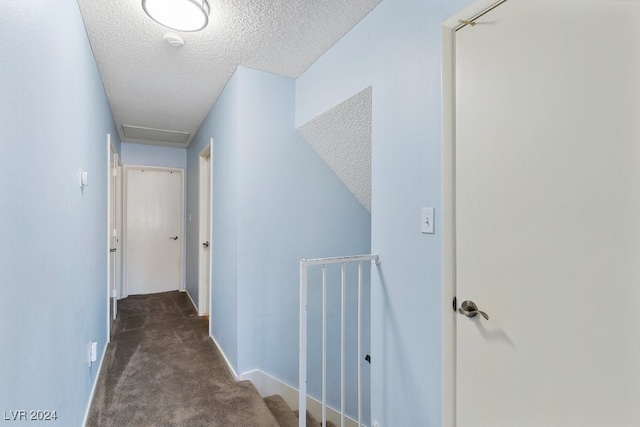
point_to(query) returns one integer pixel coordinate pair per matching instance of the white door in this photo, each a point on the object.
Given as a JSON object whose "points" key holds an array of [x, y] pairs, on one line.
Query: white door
{"points": [[153, 230], [548, 215]]}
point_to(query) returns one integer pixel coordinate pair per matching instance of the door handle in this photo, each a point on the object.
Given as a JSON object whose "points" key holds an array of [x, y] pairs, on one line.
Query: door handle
{"points": [[174, 238], [470, 309], [205, 244], [113, 249]]}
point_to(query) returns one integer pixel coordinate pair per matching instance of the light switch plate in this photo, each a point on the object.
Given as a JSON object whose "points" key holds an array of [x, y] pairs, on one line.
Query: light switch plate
{"points": [[427, 225]]}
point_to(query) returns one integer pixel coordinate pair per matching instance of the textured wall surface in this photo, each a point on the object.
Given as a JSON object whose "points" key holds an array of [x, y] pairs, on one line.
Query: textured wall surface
{"points": [[54, 118], [342, 138], [396, 49], [152, 84]]}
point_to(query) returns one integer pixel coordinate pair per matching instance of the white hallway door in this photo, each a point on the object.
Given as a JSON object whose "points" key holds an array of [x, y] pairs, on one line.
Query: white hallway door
{"points": [[547, 162], [154, 244]]}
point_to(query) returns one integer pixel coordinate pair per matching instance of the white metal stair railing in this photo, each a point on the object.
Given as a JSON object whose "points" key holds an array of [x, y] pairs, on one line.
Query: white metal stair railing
{"points": [[304, 275]]}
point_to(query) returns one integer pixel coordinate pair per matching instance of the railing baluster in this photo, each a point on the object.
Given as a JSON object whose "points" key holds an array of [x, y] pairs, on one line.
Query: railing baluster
{"points": [[359, 343], [343, 345], [304, 276], [324, 345], [302, 397]]}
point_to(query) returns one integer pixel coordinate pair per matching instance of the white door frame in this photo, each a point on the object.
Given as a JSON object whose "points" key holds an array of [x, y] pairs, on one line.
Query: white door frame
{"points": [[109, 189], [119, 239], [116, 211], [125, 169], [112, 261], [204, 227], [448, 205]]}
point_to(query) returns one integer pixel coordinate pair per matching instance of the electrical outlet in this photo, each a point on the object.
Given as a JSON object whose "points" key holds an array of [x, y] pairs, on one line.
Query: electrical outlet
{"points": [[426, 222]]}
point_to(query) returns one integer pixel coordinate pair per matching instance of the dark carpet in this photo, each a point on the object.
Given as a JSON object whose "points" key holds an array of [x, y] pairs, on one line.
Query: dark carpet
{"points": [[163, 370]]}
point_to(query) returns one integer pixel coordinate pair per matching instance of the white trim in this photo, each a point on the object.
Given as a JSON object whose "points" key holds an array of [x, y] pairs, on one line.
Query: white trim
{"points": [[204, 214], [224, 356], [120, 241], [448, 230], [110, 149], [190, 299], [181, 171], [268, 385], [95, 385], [340, 260], [448, 208]]}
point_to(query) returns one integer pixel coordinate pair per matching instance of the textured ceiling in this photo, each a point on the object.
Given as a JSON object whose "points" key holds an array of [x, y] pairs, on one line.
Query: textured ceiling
{"points": [[151, 84], [342, 137]]}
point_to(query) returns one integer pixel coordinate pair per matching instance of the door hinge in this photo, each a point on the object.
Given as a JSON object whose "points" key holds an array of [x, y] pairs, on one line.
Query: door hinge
{"points": [[114, 171]]}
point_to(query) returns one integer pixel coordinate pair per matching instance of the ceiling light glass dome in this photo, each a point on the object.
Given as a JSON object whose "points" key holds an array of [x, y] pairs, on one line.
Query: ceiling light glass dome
{"points": [[181, 15]]}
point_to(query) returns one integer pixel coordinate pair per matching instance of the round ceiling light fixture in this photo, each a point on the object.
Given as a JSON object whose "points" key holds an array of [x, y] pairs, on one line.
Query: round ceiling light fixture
{"points": [[181, 15]]}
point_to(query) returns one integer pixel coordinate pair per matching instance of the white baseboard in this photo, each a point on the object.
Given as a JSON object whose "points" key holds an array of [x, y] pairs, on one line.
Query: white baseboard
{"points": [[190, 299], [226, 360], [268, 385], [95, 385]]}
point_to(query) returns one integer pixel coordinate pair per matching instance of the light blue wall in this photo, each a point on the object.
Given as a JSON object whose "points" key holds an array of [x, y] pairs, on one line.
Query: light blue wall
{"points": [[275, 201], [153, 155], [290, 206], [54, 118], [222, 125], [397, 50]]}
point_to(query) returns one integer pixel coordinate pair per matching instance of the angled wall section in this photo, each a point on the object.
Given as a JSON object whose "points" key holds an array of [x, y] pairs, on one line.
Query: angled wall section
{"points": [[342, 138]]}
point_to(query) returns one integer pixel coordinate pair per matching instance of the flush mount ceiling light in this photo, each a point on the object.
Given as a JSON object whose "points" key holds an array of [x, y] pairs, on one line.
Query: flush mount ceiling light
{"points": [[181, 15]]}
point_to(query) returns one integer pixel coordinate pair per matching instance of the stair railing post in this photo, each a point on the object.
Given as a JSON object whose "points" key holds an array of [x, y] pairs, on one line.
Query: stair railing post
{"points": [[343, 338], [324, 345], [302, 373], [359, 343]]}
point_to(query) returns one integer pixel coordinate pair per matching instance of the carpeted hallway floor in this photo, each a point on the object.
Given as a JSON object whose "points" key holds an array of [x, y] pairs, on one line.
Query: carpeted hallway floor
{"points": [[162, 370]]}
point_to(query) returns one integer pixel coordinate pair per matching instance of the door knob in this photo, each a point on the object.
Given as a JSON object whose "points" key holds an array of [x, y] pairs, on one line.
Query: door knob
{"points": [[205, 244], [174, 238], [470, 309]]}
